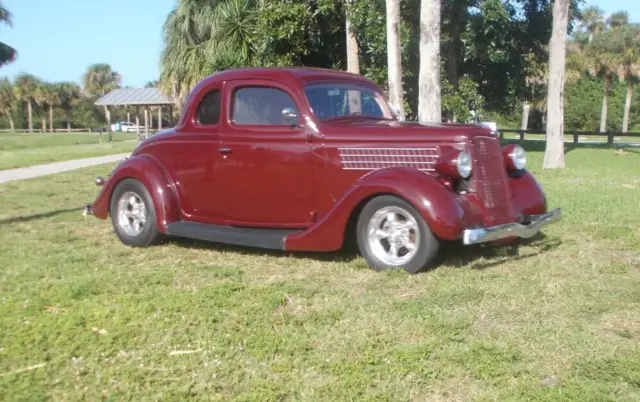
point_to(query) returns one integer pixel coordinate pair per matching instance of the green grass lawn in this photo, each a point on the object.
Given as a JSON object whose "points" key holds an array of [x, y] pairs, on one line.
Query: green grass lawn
{"points": [[83, 317], [12, 141], [20, 150], [34, 156]]}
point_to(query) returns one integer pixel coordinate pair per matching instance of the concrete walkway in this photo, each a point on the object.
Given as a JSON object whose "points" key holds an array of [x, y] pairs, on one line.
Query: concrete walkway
{"points": [[57, 167]]}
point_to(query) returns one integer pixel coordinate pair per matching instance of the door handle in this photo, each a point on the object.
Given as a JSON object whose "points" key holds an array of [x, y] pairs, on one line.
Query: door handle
{"points": [[224, 150]]}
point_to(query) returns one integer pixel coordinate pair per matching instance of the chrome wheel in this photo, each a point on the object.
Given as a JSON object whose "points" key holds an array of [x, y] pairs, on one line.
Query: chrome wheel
{"points": [[132, 213], [393, 235]]}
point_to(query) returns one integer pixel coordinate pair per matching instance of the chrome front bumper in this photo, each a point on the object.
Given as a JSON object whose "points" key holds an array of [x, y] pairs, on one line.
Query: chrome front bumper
{"points": [[492, 233]]}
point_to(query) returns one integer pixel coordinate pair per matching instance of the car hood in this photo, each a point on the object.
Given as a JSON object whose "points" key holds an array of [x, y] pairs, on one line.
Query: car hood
{"points": [[409, 130]]}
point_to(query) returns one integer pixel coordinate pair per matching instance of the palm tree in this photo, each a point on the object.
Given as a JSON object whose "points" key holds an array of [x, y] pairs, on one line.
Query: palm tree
{"points": [[618, 19], [601, 62], [7, 101], [25, 87], [200, 39], [429, 93], [40, 97], [70, 95], [624, 42], [394, 56], [7, 53], [592, 21], [554, 152], [100, 79], [51, 98]]}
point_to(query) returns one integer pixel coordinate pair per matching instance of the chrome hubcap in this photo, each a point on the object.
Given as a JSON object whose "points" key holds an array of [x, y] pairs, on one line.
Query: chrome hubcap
{"points": [[393, 235], [132, 213]]}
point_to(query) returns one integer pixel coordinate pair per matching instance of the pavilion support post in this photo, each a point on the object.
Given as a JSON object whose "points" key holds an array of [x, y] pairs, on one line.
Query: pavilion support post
{"points": [[138, 119], [107, 114], [128, 116], [159, 118], [146, 122]]}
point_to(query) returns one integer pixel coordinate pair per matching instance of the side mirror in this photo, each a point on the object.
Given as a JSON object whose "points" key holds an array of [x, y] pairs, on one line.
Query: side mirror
{"points": [[289, 116]]}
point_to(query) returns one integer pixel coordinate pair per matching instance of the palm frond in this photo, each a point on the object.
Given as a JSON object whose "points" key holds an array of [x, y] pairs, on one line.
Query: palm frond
{"points": [[7, 54]]}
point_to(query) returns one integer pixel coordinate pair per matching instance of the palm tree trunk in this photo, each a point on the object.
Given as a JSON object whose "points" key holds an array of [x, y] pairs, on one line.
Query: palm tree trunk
{"points": [[51, 118], [429, 94], [68, 126], [394, 56], [526, 109], [353, 60], [12, 125], [353, 64], [29, 115], [554, 152], [627, 106], [44, 124], [605, 105]]}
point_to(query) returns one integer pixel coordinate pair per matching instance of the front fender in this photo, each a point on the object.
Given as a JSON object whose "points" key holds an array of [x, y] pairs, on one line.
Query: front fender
{"points": [[437, 205], [527, 195], [148, 171]]}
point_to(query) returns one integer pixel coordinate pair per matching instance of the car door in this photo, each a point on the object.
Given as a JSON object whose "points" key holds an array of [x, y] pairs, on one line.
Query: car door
{"points": [[195, 158], [267, 171]]}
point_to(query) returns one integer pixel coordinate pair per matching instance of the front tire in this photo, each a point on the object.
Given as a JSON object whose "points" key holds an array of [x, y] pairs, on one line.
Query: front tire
{"points": [[133, 214], [392, 234]]}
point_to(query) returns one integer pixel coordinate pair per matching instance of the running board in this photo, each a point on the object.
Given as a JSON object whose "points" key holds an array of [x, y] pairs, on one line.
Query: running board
{"points": [[250, 237]]}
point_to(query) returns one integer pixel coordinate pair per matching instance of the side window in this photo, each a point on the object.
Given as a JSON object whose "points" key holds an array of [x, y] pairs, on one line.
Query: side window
{"points": [[209, 109], [261, 106]]}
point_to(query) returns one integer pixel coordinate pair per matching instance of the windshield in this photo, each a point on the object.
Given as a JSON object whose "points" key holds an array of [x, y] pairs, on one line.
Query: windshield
{"points": [[336, 100]]}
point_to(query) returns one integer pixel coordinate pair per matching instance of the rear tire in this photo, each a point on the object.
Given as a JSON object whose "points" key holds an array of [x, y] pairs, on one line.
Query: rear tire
{"points": [[133, 214], [391, 234]]}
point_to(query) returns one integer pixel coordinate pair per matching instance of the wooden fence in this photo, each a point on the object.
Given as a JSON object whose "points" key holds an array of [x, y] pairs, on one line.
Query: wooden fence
{"points": [[611, 136], [40, 130]]}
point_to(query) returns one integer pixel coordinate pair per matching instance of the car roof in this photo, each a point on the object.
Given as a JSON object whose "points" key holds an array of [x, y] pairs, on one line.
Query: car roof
{"points": [[306, 74]]}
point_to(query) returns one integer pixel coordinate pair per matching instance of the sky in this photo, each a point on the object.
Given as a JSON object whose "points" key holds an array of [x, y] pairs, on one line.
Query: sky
{"points": [[57, 40]]}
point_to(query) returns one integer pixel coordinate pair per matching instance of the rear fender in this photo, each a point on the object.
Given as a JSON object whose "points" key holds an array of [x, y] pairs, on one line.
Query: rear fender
{"points": [[436, 204], [146, 170]]}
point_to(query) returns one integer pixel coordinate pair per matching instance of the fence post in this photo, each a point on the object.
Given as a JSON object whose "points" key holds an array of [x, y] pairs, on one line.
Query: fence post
{"points": [[521, 135], [575, 138]]}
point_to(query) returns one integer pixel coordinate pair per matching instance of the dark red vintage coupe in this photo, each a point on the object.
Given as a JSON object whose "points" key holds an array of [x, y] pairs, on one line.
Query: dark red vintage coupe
{"points": [[304, 159]]}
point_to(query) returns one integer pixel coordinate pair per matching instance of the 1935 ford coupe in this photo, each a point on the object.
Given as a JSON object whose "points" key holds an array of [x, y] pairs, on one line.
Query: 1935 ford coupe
{"points": [[303, 159]]}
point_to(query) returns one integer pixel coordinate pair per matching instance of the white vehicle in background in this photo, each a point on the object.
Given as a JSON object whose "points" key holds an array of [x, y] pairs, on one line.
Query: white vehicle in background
{"points": [[129, 127], [126, 127]]}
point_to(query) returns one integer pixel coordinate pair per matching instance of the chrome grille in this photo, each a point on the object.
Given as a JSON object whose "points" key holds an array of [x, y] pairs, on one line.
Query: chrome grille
{"points": [[379, 158], [490, 180]]}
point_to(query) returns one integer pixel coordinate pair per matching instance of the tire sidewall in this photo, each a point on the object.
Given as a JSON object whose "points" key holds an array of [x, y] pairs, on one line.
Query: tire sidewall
{"points": [[150, 232], [427, 246]]}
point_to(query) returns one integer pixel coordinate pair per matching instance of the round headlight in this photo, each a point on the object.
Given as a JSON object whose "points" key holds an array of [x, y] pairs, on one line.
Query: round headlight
{"points": [[518, 157], [463, 164]]}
